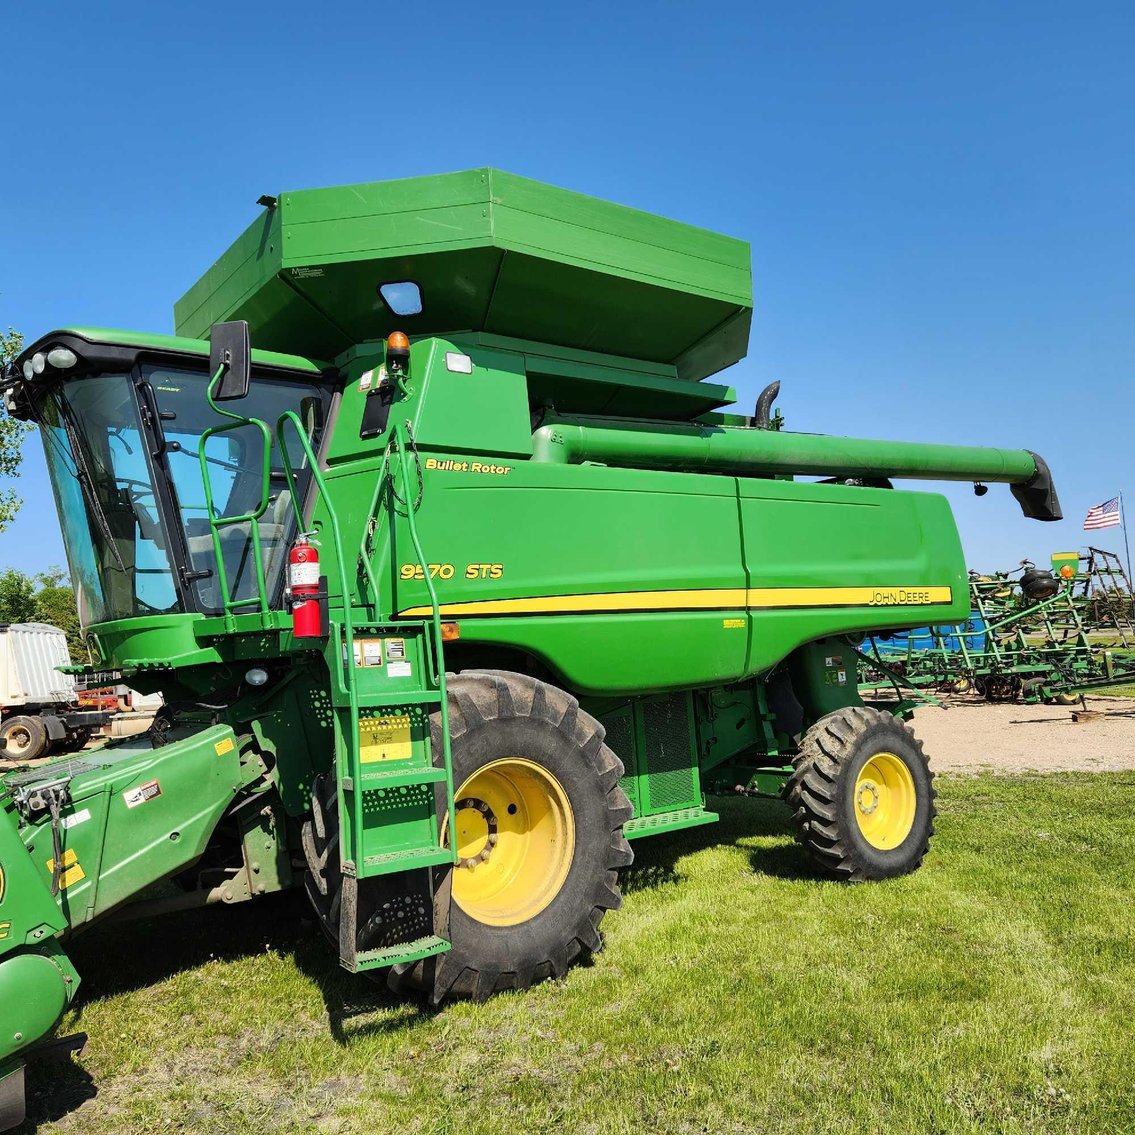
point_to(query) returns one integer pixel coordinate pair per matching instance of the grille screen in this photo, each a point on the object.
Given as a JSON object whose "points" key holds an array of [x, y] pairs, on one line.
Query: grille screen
{"points": [[669, 754], [620, 739]]}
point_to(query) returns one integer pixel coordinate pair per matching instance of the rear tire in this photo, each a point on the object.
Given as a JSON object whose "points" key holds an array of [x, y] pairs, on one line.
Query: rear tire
{"points": [[862, 795], [525, 748], [25, 739]]}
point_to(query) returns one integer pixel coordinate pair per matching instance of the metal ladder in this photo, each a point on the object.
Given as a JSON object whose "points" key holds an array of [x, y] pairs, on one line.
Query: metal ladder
{"points": [[387, 679]]}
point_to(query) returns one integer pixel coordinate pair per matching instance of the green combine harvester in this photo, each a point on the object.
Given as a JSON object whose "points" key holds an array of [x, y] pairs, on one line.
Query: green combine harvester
{"points": [[460, 580]]}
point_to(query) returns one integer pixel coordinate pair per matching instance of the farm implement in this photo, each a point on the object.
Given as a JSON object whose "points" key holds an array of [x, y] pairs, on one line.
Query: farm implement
{"points": [[1037, 634], [460, 582]]}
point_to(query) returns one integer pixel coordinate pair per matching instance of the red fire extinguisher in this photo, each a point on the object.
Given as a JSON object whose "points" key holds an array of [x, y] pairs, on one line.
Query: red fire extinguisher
{"points": [[303, 587]]}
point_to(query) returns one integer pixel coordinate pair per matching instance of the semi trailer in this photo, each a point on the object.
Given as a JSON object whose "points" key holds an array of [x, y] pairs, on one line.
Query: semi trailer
{"points": [[40, 708], [460, 572]]}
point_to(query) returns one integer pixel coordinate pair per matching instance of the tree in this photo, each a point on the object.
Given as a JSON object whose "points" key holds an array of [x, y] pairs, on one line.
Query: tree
{"points": [[42, 598], [12, 434], [56, 605], [17, 597]]}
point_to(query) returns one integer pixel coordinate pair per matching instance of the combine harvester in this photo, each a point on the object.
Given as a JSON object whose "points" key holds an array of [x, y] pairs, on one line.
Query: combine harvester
{"points": [[456, 583]]}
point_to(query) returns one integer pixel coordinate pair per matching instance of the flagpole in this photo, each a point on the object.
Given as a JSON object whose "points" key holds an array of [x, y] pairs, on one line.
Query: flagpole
{"points": [[1127, 549]]}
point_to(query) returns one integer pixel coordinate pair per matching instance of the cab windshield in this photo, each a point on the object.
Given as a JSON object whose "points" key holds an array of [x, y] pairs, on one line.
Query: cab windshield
{"points": [[123, 453]]}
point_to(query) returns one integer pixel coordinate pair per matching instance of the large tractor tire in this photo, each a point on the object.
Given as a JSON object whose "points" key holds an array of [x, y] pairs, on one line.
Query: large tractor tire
{"points": [[862, 795], [25, 739], [539, 837]]}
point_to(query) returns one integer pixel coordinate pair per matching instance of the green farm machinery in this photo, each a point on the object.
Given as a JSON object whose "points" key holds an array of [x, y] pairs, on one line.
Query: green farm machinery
{"points": [[1036, 634], [460, 580]]}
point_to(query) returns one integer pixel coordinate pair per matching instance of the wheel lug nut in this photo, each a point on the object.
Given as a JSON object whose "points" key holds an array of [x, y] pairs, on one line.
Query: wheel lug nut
{"points": [[485, 853], [493, 839]]}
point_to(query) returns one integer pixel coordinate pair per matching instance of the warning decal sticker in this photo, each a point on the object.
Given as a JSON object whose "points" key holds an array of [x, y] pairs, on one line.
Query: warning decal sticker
{"points": [[144, 793]]}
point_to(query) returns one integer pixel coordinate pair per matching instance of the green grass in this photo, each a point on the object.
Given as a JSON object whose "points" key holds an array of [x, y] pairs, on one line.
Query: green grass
{"points": [[992, 991]]}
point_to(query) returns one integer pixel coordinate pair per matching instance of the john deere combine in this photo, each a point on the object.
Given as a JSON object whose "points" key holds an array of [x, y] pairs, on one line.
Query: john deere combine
{"points": [[456, 583]]}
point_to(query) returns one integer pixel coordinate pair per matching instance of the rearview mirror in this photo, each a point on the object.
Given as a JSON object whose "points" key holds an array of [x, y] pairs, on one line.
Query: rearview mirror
{"points": [[230, 353]]}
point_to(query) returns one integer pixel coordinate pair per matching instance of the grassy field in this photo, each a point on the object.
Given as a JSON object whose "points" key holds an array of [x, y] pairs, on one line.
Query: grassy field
{"points": [[993, 991]]}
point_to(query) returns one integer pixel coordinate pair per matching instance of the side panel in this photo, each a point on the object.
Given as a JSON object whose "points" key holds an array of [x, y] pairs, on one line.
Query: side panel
{"points": [[28, 913], [656, 740], [623, 580], [135, 817], [836, 559]]}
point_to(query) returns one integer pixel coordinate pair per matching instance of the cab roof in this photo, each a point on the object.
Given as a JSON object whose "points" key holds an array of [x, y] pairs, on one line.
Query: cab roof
{"points": [[167, 344]]}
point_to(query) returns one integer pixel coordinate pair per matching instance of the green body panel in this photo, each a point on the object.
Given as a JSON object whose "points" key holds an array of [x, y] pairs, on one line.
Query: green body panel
{"points": [[28, 913], [136, 815], [491, 252], [518, 549]]}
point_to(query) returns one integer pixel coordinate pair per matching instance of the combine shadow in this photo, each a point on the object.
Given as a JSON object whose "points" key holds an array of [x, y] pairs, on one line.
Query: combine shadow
{"points": [[120, 957], [357, 1005], [54, 1090], [656, 860], [115, 958]]}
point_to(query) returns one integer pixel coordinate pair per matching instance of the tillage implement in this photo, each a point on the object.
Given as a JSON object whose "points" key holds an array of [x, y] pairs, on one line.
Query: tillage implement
{"points": [[457, 583]]}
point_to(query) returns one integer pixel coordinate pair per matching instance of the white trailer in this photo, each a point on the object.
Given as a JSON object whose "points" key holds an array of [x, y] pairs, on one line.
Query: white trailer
{"points": [[39, 706]]}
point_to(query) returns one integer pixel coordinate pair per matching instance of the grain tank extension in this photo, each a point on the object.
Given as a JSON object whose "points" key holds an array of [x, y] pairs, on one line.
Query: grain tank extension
{"points": [[458, 580]]}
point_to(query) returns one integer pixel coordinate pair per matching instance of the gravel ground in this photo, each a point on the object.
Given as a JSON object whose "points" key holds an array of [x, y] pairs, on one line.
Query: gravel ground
{"points": [[971, 735]]}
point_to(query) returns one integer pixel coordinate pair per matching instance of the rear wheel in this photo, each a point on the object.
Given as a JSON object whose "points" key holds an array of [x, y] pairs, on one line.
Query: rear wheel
{"points": [[25, 739], [862, 795], [539, 818]]}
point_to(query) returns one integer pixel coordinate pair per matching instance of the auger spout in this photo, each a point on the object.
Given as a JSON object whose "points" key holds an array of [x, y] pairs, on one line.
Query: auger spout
{"points": [[735, 449]]}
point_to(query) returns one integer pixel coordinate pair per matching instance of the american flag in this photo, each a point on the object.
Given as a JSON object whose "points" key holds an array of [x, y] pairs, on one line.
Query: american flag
{"points": [[1104, 515]]}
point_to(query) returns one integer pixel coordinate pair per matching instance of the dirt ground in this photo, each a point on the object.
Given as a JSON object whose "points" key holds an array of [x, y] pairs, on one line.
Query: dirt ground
{"points": [[969, 735]]}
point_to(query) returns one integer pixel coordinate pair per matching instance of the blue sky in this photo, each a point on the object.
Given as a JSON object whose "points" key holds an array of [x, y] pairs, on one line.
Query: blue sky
{"points": [[939, 198]]}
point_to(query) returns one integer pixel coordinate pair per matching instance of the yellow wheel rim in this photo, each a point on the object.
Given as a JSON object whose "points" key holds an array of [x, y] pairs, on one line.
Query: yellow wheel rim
{"points": [[885, 801], [515, 841]]}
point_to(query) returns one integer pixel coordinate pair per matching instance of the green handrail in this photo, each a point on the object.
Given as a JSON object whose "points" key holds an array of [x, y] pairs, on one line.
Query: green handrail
{"points": [[290, 417], [366, 551], [433, 647], [252, 519]]}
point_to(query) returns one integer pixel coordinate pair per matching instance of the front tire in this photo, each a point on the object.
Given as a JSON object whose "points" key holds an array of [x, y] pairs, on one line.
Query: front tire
{"points": [[862, 795], [540, 840], [25, 739]]}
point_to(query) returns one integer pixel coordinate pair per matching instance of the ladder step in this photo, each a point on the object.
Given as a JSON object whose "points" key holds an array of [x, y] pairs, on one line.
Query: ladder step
{"points": [[401, 952], [368, 700], [668, 821], [393, 777], [406, 860], [411, 697]]}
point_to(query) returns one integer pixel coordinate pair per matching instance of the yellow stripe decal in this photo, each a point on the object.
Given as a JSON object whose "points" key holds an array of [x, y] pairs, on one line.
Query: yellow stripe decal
{"points": [[709, 599]]}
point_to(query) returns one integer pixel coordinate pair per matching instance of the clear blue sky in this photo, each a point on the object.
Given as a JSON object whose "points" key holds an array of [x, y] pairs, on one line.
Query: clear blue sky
{"points": [[939, 198]]}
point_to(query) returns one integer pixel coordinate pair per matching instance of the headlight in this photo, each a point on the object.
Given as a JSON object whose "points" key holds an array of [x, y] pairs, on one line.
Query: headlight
{"points": [[62, 357]]}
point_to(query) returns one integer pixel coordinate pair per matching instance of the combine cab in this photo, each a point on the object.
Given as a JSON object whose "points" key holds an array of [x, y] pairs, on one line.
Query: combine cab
{"points": [[457, 581]]}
